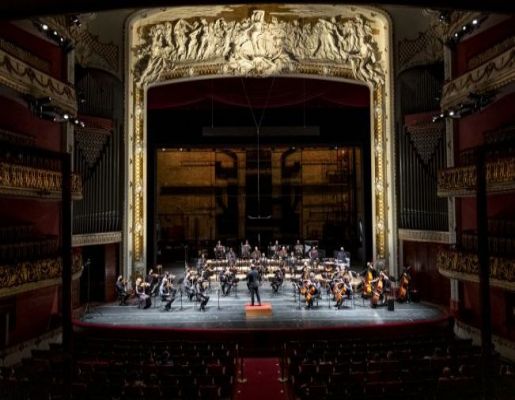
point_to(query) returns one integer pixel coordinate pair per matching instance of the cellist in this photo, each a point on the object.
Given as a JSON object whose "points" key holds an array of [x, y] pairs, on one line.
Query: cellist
{"points": [[369, 278]]}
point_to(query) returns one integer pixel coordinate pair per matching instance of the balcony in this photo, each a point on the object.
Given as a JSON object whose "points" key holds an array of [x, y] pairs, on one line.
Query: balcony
{"points": [[461, 181], [27, 181], [464, 266]]}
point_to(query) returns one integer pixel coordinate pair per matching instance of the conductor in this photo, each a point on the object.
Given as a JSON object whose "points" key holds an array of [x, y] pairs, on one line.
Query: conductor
{"points": [[253, 284]]}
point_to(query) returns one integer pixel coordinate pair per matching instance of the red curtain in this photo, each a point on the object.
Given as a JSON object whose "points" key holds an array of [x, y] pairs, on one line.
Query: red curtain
{"points": [[259, 93]]}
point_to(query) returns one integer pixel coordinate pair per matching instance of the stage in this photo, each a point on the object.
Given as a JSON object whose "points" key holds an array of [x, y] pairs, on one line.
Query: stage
{"points": [[228, 313]]}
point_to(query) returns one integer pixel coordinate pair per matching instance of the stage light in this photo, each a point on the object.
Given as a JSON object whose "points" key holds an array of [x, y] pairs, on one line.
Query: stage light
{"points": [[475, 21], [451, 113], [44, 27], [66, 116]]}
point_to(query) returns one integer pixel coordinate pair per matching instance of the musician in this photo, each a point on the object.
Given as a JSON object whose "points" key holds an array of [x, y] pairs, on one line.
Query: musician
{"points": [[231, 257], [404, 293], [310, 291], [256, 254], [200, 295], [121, 290], [225, 278], [277, 280], [144, 298], [245, 250], [313, 254], [298, 249], [274, 249], [167, 293], [152, 280], [189, 285], [253, 284], [201, 261], [291, 261], [219, 250], [342, 288], [282, 253]]}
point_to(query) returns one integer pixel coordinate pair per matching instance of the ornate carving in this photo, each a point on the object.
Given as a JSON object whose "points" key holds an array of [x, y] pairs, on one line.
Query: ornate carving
{"points": [[35, 182], [26, 79], [465, 266], [25, 56], [255, 46], [12, 276], [425, 138], [492, 75], [96, 238], [461, 181], [491, 52], [425, 49], [171, 44], [90, 142], [425, 236]]}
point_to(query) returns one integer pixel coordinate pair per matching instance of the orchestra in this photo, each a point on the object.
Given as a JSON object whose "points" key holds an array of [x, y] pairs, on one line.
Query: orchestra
{"points": [[310, 277]]}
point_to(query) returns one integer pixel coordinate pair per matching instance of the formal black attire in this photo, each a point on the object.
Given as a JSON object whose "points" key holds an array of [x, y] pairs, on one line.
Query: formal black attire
{"points": [[253, 285]]}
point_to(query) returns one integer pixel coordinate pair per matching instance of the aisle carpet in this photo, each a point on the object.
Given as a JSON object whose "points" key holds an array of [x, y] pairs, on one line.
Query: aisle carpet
{"points": [[262, 381]]}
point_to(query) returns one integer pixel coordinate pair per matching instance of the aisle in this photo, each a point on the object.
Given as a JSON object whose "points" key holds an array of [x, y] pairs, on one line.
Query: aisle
{"points": [[262, 380]]}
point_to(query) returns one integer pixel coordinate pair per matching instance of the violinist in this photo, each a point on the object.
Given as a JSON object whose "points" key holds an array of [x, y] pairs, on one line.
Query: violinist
{"points": [[167, 293], [121, 290], [188, 284]]}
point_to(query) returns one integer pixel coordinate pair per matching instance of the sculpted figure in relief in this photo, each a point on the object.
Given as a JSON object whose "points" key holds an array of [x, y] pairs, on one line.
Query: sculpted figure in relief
{"points": [[253, 45]]}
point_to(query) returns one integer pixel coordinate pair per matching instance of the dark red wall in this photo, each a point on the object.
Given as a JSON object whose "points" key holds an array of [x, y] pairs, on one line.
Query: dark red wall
{"points": [[39, 47], [433, 286], [111, 267], [44, 215]]}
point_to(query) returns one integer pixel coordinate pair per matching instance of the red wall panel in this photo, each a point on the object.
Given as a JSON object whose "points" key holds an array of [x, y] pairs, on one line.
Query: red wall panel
{"points": [[433, 286], [36, 45], [43, 214], [110, 271]]}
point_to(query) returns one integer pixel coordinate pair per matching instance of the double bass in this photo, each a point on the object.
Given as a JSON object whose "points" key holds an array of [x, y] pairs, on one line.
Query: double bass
{"points": [[367, 281], [378, 291], [403, 287]]}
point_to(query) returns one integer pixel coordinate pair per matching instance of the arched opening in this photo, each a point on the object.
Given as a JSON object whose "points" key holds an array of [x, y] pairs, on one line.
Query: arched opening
{"points": [[339, 44]]}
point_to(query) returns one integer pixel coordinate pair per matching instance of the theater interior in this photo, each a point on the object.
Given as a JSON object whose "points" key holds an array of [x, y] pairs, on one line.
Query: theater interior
{"points": [[257, 200]]}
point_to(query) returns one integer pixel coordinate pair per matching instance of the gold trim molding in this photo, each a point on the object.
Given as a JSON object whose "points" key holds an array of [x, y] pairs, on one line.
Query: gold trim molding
{"points": [[461, 181], [492, 75], [92, 239], [340, 43], [25, 79], [31, 275], [20, 180], [455, 264], [414, 235]]}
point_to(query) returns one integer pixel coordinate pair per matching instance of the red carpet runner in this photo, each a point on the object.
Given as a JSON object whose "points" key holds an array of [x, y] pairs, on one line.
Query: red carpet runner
{"points": [[262, 380]]}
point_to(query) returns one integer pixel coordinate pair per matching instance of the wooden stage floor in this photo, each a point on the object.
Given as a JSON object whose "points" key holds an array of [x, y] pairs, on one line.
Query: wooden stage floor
{"points": [[229, 313]]}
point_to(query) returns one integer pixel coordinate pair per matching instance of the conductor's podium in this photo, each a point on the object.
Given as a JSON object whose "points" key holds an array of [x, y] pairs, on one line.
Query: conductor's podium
{"points": [[264, 310]]}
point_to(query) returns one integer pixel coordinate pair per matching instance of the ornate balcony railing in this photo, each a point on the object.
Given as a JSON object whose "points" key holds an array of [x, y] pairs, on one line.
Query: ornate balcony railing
{"points": [[461, 181], [29, 275], [465, 266], [27, 181], [29, 250]]}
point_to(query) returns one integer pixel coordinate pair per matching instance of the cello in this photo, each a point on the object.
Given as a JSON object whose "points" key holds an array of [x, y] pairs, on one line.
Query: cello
{"points": [[378, 292], [367, 282]]}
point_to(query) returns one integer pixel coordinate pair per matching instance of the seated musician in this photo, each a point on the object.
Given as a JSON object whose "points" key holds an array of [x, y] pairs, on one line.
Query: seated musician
{"points": [[144, 298], [274, 249], [167, 293], [200, 294], [121, 291], [231, 257], [188, 284], [201, 261], [310, 292], [245, 250], [277, 280], [313, 254], [298, 249], [283, 253], [225, 281], [256, 254], [290, 262], [342, 288], [219, 250]]}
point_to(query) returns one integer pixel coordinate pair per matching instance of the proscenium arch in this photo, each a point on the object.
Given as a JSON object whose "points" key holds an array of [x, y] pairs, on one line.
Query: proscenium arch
{"points": [[343, 43]]}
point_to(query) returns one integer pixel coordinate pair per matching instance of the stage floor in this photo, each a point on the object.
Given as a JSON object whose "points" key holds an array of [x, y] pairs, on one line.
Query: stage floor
{"points": [[229, 313]]}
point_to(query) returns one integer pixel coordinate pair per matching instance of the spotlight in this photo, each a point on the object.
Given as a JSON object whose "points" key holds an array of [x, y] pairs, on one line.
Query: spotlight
{"points": [[75, 20], [44, 27], [451, 113], [82, 124], [475, 21], [66, 116]]}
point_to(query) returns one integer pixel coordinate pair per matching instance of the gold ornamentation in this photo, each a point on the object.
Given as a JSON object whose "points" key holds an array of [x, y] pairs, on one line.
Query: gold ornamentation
{"points": [[461, 181], [414, 235], [35, 182], [12, 276], [465, 266], [168, 45], [91, 239], [492, 75], [26, 79]]}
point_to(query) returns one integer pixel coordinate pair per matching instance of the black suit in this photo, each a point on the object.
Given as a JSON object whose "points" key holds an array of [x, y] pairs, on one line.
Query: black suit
{"points": [[253, 285]]}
